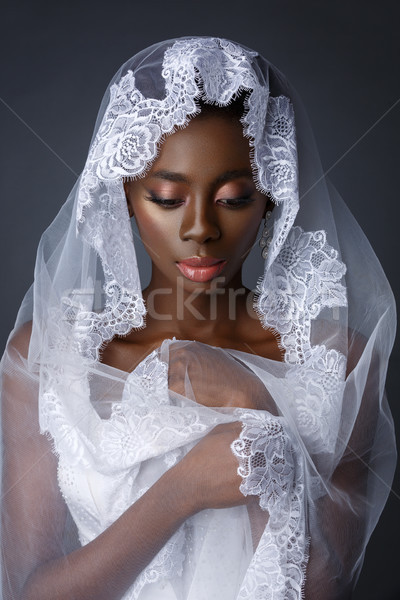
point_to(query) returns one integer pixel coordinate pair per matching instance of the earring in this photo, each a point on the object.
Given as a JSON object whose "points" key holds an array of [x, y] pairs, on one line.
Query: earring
{"points": [[266, 239]]}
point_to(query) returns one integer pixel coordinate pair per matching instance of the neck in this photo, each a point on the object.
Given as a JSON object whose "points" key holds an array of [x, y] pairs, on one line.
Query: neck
{"points": [[199, 314]]}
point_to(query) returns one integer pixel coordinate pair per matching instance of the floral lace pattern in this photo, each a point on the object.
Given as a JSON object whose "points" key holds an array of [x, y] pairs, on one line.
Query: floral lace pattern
{"points": [[315, 399], [127, 142], [65, 424], [306, 277], [90, 332], [268, 462], [303, 275], [110, 235], [265, 465], [151, 375], [278, 160], [141, 427], [270, 468]]}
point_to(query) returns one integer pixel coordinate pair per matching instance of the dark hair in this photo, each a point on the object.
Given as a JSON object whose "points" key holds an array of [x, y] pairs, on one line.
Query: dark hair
{"points": [[233, 111]]}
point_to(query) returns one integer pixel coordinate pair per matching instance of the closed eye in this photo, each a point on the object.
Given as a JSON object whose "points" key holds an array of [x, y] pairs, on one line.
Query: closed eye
{"points": [[164, 202], [175, 202], [235, 202]]}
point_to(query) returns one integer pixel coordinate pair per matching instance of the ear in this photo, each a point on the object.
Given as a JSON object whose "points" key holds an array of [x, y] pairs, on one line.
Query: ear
{"points": [[127, 195]]}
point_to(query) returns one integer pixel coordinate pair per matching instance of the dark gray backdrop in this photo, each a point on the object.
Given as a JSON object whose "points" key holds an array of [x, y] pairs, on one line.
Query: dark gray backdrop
{"points": [[343, 57]]}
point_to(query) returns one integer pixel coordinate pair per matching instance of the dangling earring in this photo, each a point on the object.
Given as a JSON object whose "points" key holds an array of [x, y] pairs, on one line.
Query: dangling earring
{"points": [[266, 239]]}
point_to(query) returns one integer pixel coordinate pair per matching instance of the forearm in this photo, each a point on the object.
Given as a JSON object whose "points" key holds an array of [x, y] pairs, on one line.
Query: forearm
{"points": [[107, 566]]}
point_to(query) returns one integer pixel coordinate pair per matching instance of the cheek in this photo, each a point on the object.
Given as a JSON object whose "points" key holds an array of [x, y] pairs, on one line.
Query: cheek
{"points": [[156, 230], [245, 232]]}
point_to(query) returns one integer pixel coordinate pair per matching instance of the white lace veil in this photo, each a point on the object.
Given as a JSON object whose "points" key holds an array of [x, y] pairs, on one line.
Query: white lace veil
{"points": [[328, 464]]}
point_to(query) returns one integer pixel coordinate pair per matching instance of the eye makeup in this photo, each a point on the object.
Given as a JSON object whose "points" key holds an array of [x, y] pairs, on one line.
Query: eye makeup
{"points": [[232, 195], [164, 202]]}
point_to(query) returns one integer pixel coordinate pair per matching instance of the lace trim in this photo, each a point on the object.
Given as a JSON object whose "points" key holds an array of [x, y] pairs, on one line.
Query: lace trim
{"points": [[140, 427], [302, 276], [271, 468], [128, 140], [306, 277], [314, 396], [90, 329], [152, 376], [278, 160]]}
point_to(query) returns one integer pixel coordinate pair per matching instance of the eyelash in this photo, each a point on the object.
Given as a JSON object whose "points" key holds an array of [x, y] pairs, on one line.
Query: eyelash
{"points": [[236, 202], [164, 202], [170, 203]]}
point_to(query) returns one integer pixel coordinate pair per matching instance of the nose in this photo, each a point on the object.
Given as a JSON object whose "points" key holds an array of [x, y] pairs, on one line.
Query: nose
{"points": [[199, 222]]}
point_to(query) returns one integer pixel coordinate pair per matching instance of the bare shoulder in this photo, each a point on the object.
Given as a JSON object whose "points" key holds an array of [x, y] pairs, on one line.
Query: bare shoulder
{"points": [[20, 340], [20, 381]]}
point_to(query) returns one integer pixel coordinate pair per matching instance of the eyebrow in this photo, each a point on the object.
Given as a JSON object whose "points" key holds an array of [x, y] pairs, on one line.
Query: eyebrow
{"points": [[223, 178]]}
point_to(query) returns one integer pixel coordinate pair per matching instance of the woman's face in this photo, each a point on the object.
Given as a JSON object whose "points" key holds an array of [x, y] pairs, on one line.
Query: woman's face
{"points": [[197, 209]]}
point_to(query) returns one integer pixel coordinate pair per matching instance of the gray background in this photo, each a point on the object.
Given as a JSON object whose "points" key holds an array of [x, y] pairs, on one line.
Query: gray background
{"points": [[343, 57]]}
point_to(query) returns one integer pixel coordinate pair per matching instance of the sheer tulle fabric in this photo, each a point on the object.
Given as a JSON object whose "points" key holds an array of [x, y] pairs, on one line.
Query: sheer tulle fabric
{"points": [[83, 441]]}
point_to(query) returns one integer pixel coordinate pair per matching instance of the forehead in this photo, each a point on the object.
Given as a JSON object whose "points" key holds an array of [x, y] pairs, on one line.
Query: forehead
{"points": [[207, 146]]}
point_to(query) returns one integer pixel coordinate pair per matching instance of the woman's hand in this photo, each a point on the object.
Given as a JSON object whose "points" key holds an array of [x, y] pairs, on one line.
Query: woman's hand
{"points": [[207, 476]]}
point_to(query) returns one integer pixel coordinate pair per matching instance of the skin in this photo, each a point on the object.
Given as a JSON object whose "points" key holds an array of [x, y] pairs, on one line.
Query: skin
{"points": [[198, 199], [200, 223]]}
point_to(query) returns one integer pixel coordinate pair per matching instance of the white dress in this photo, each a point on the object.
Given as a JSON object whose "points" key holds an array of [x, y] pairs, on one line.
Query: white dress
{"points": [[106, 464], [319, 455]]}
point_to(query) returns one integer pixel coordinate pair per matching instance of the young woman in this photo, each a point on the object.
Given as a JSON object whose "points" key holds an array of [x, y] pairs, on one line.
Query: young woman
{"points": [[197, 440]]}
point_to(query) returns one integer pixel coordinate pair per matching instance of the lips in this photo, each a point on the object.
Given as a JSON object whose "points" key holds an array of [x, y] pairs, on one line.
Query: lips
{"points": [[201, 268]]}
